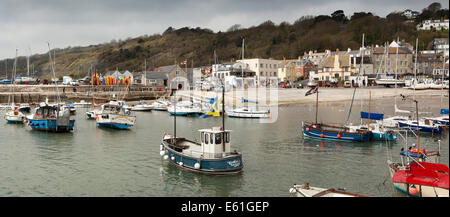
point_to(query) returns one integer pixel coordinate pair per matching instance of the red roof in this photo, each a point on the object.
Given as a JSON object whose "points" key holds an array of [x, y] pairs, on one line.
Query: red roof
{"points": [[432, 174]]}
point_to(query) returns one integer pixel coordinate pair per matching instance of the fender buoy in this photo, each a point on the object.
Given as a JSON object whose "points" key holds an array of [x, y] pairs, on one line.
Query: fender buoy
{"points": [[420, 150], [338, 136], [307, 129], [413, 190], [321, 135]]}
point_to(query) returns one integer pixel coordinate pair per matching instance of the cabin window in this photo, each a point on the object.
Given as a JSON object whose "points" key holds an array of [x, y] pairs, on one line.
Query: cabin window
{"points": [[206, 138], [218, 137], [227, 137], [202, 134], [211, 139]]}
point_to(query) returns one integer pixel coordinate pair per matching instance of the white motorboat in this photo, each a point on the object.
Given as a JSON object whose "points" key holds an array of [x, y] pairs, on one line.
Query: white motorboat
{"points": [[244, 112], [185, 108], [305, 190], [160, 105], [94, 113], [14, 115], [142, 106], [82, 104], [115, 116]]}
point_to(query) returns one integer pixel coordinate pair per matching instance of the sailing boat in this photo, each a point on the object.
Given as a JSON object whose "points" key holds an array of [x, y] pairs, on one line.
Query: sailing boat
{"points": [[246, 112], [444, 119], [324, 131], [51, 117], [211, 156], [14, 115]]}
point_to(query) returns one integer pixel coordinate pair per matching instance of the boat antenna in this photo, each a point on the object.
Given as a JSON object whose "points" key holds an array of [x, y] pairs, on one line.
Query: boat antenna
{"points": [[415, 71], [53, 70], [14, 76]]}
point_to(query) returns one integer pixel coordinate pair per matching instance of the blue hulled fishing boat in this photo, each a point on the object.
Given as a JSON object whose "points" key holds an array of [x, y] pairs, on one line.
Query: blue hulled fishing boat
{"points": [[212, 155], [50, 118]]}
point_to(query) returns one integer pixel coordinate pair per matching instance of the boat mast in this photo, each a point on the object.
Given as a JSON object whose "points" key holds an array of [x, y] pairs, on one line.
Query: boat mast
{"points": [[317, 102], [360, 69], [14, 77], [442, 82], [54, 73], [415, 71], [395, 81]]}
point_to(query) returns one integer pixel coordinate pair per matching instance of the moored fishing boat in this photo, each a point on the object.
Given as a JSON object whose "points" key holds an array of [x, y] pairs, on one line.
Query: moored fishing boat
{"points": [[14, 116], [421, 125], [212, 155], [50, 118], [246, 112], [329, 132], [115, 116], [82, 104], [160, 105], [305, 190]]}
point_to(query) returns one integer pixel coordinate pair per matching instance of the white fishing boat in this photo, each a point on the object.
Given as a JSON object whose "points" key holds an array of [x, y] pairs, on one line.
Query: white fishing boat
{"points": [[305, 190], [14, 115], [114, 115], [142, 106], [389, 81], [94, 113], [82, 104]]}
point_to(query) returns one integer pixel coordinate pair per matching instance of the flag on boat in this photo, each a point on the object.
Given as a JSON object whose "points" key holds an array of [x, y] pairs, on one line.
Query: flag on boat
{"points": [[312, 91], [184, 62]]}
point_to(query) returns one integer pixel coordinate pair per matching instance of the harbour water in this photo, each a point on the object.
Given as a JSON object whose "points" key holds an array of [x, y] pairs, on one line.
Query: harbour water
{"points": [[97, 162]]}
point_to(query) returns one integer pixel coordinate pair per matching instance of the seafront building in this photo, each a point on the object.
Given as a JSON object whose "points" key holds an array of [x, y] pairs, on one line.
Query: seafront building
{"points": [[433, 24], [386, 60], [266, 70]]}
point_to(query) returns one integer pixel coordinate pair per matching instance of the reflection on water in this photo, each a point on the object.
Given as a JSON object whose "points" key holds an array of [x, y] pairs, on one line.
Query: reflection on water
{"points": [[93, 161]]}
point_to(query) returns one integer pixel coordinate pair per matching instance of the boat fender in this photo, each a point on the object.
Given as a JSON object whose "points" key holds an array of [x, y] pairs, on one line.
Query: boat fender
{"points": [[338, 136], [180, 163], [413, 190], [321, 135], [197, 165], [172, 158], [162, 153], [166, 157], [420, 150], [307, 129]]}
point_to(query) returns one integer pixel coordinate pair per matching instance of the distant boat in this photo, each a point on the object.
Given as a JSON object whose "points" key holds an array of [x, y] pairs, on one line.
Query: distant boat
{"points": [[142, 106], [423, 126], [93, 114], [305, 190], [379, 132], [185, 108], [212, 155], [114, 115], [160, 105], [249, 112], [15, 114], [82, 104], [388, 81], [442, 120]]}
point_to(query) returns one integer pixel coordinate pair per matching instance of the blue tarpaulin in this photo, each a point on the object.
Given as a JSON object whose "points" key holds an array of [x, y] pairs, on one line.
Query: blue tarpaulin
{"points": [[249, 101], [444, 111], [373, 116]]}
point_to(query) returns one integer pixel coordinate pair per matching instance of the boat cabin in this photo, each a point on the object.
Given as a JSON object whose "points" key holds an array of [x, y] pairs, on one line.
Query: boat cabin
{"points": [[114, 108], [215, 140], [46, 111]]}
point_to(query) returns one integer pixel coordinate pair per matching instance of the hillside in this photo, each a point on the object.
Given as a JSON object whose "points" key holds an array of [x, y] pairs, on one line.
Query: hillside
{"points": [[266, 40]]}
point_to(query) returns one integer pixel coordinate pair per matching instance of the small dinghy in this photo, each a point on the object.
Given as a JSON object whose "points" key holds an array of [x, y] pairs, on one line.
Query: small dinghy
{"points": [[308, 191]]}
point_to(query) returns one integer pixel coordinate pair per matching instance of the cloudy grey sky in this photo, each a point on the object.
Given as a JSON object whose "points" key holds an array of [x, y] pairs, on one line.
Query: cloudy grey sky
{"points": [[31, 24]]}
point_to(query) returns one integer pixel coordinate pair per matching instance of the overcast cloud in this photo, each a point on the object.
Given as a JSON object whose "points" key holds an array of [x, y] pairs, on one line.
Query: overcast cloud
{"points": [[28, 23]]}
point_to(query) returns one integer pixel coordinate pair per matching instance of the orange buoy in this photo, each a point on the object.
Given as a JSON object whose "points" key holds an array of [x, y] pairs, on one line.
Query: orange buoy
{"points": [[321, 135], [413, 190], [95, 117], [338, 136], [307, 129], [420, 150]]}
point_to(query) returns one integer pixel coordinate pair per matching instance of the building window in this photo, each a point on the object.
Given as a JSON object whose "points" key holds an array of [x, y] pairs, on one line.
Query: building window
{"points": [[261, 65]]}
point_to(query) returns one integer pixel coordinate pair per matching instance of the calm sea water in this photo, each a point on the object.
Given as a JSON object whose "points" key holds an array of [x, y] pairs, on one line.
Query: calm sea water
{"points": [[96, 162]]}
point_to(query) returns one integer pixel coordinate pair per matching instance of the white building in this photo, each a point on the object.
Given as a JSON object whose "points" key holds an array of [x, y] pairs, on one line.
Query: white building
{"points": [[266, 69], [433, 24], [232, 73]]}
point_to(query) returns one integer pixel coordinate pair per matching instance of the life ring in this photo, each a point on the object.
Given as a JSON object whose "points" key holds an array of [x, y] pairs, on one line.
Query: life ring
{"points": [[420, 150]]}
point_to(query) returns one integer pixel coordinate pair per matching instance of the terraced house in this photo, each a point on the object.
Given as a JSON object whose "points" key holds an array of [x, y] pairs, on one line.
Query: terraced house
{"points": [[397, 57]]}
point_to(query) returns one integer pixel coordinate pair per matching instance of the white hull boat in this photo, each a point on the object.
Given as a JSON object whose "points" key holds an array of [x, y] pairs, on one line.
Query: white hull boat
{"points": [[308, 191], [248, 113]]}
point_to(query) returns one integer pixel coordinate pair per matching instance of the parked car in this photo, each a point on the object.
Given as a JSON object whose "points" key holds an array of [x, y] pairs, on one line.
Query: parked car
{"points": [[347, 84], [298, 85], [75, 83]]}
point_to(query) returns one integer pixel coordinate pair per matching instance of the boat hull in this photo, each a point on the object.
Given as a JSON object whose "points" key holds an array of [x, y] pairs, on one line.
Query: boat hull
{"points": [[426, 129], [426, 191], [50, 125], [318, 133], [377, 136], [220, 166], [112, 125]]}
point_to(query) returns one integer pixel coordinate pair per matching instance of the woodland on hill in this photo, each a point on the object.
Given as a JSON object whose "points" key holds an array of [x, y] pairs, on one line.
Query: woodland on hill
{"points": [[266, 40]]}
